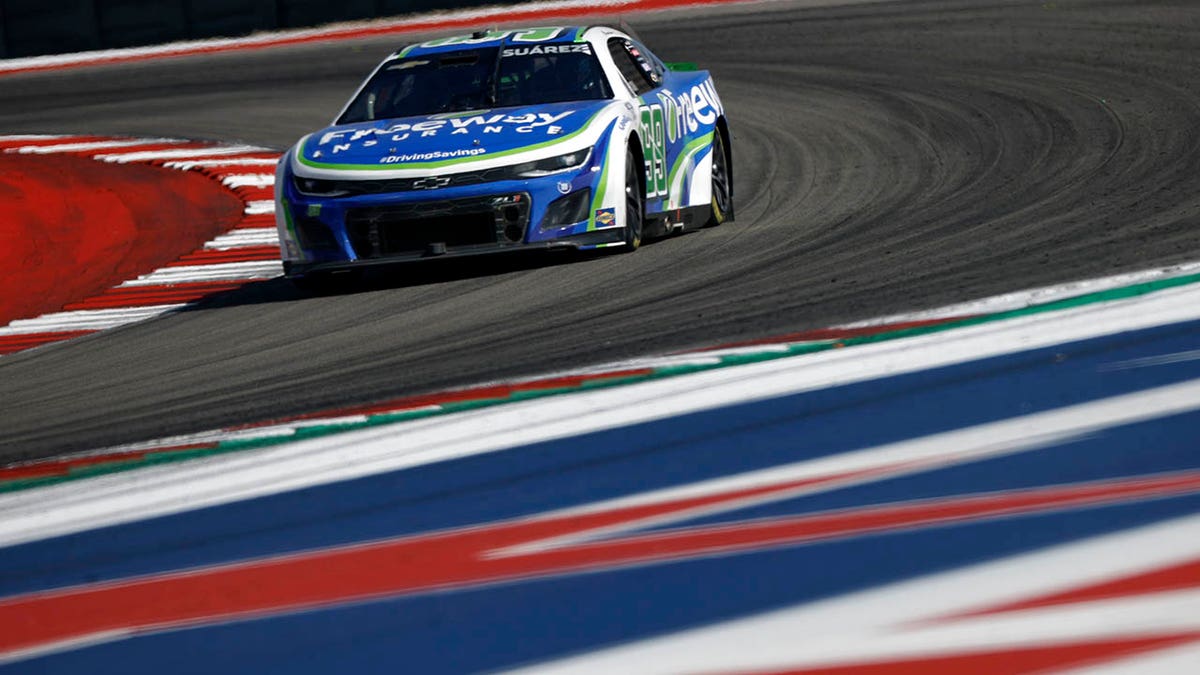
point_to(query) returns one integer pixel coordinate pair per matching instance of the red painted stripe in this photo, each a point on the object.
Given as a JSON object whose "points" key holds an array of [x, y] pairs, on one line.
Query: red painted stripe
{"points": [[142, 296], [470, 556], [1185, 575], [467, 395], [66, 466], [309, 579], [258, 220], [768, 532], [213, 256], [15, 343], [1010, 661], [514, 15]]}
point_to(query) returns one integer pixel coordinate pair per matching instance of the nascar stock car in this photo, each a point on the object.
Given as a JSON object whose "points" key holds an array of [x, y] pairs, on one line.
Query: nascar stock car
{"points": [[506, 140]]}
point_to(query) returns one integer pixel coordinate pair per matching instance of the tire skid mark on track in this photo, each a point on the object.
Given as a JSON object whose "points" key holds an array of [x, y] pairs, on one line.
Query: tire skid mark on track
{"points": [[245, 253]]}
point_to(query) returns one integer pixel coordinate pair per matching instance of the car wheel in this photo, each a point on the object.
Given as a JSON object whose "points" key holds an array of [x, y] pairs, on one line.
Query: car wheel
{"points": [[635, 203], [722, 183]]}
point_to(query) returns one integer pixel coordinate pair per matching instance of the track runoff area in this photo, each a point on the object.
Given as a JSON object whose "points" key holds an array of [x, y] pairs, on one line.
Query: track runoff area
{"points": [[1006, 486]]}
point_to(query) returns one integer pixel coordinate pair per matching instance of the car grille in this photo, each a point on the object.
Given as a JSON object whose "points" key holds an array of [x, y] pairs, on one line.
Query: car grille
{"points": [[423, 227]]}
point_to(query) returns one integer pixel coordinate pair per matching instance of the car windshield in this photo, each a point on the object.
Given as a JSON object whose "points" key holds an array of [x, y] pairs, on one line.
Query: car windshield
{"points": [[474, 79]]}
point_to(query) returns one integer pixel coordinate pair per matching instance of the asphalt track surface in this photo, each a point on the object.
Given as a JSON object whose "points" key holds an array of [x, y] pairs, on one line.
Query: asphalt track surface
{"points": [[888, 157]]}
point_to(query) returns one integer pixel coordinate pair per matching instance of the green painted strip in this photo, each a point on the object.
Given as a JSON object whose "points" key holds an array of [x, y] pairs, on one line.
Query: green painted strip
{"points": [[287, 219], [449, 162], [598, 199], [725, 361], [91, 470]]}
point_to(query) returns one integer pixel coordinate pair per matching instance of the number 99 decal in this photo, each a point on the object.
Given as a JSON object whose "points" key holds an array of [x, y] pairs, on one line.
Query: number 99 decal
{"points": [[654, 148]]}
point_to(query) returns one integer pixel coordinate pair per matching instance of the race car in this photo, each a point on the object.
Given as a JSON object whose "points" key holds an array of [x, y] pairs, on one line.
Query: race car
{"points": [[506, 140]]}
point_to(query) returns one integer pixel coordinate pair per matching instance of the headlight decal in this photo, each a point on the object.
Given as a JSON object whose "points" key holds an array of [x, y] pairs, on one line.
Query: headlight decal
{"points": [[552, 165]]}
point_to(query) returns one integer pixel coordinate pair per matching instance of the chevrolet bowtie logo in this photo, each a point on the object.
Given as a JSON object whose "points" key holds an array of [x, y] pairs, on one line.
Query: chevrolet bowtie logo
{"points": [[430, 182]]}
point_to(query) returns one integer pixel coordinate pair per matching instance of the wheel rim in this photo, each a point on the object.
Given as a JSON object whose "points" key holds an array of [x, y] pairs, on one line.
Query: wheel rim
{"points": [[633, 202], [720, 177]]}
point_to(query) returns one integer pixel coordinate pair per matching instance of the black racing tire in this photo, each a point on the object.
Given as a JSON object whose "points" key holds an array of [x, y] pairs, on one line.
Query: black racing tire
{"points": [[635, 203], [721, 209]]}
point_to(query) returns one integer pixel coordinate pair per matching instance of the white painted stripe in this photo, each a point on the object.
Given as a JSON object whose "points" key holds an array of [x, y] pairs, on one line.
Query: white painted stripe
{"points": [[237, 180], [94, 145], [245, 236], [1166, 613], [703, 358], [1178, 661], [1035, 296], [260, 207], [181, 153], [152, 491], [882, 622], [59, 646], [254, 269], [1151, 361], [88, 319], [187, 165], [5, 138]]}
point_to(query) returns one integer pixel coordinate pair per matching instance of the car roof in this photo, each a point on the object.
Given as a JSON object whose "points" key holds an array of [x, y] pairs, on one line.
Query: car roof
{"points": [[494, 38]]}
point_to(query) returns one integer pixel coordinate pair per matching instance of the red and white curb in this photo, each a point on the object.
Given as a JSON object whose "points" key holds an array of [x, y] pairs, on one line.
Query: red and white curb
{"points": [[248, 252]]}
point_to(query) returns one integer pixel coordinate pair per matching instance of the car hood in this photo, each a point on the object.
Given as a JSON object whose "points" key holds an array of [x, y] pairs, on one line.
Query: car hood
{"points": [[447, 140]]}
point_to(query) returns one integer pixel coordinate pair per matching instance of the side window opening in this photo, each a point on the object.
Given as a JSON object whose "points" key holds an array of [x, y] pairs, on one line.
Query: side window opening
{"points": [[636, 70]]}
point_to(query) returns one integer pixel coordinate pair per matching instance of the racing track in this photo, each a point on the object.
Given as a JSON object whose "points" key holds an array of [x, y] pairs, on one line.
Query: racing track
{"points": [[889, 156]]}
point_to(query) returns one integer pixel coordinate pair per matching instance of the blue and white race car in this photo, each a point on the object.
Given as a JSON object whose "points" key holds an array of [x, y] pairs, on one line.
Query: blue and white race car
{"points": [[503, 141]]}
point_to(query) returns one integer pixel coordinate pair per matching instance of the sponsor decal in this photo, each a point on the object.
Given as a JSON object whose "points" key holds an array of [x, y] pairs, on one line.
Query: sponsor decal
{"points": [[429, 156], [605, 217], [688, 111], [548, 49], [528, 123]]}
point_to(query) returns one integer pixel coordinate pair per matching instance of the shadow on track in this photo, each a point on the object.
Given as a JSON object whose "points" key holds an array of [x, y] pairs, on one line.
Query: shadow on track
{"points": [[399, 275]]}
